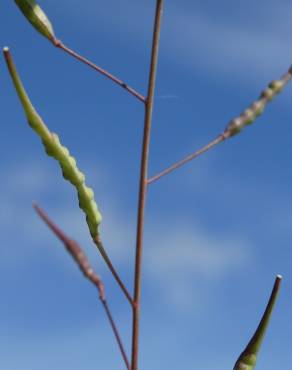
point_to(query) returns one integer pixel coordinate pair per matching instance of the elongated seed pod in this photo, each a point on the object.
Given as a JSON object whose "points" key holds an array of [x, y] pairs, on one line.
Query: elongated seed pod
{"points": [[247, 359], [55, 149], [255, 109], [35, 15]]}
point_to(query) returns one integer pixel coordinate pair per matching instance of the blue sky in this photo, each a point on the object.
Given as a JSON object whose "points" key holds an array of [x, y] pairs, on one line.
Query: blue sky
{"points": [[217, 231]]}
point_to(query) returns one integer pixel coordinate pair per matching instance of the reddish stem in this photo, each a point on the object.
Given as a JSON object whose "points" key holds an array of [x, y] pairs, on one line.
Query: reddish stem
{"points": [[143, 184], [190, 157], [80, 258], [105, 73], [116, 334], [116, 276]]}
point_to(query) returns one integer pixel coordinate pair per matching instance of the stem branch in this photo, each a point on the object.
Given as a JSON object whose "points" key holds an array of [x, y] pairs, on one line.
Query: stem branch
{"points": [[97, 241], [236, 125], [102, 71], [80, 258], [190, 157]]}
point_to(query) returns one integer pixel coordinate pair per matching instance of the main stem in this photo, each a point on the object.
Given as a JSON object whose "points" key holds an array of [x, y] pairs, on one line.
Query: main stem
{"points": [[143, 183]]}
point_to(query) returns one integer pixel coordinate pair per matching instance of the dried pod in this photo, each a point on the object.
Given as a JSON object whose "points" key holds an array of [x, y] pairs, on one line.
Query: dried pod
{"points": [[55, 149], [35, 15]]}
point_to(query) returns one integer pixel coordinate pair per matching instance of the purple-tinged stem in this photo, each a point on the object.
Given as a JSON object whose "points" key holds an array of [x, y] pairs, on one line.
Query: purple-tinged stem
{"points": [[80, 258], [102, 71]]}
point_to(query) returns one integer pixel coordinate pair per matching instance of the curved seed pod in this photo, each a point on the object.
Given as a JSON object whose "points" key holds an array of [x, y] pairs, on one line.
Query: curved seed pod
{"points": [[255, 109], [35, 15], [247, 360], [59, 152]]}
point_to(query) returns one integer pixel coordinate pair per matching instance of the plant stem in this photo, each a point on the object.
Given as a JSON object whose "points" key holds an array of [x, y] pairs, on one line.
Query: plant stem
{"points": [[80, 258], [116, 333], [143, 183], [105, 73], [190, 157], [97, 241], [236, 125]]}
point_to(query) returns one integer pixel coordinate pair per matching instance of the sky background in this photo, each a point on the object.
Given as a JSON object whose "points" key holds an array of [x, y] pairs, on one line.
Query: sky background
{"points": [[217, 231]]}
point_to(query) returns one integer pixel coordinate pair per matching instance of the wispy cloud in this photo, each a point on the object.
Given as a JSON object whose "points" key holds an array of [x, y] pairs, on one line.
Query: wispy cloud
{"points": [[230, 45], [179, 257], [198, 39]]}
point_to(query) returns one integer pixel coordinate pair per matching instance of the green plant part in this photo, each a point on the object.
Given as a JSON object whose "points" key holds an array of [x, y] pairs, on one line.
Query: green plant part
{"points": [[254, 110], [55, 149], [35, 15], [247, 359]]}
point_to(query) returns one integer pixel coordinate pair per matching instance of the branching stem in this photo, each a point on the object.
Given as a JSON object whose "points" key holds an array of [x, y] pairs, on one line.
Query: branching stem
{"points": [[143, 183], [236, 125]]}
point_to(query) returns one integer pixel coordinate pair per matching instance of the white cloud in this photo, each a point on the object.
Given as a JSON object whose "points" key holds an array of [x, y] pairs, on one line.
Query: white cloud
{"points": [[177, 259]]}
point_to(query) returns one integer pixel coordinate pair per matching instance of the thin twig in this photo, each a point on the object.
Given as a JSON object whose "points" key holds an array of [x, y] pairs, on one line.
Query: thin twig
{"points": [[143, 183], [235, 126], [116, 333], [105, 73], [107, 260], [190, 157], [80, 258]]}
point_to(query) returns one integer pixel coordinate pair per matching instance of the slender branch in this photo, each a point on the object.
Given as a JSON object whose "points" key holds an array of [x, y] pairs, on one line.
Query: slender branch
{"points": [[190, 157], [116, 333], [102, 71], [107, 260], [80, 258], [235, 126], [143, 183]]}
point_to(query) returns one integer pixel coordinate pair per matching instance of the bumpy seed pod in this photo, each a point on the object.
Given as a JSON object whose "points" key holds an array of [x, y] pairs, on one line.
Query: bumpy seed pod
{"points": [[255, 109], [59, 152], [247, 359], [35, 15]]}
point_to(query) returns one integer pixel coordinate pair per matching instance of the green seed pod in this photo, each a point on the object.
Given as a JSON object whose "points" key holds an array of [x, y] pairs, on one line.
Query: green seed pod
{"points": [[35, 15], [247, 360], [55, 149], [258, 108], [268, 94], [248, 116], [235, 126], [277, 86], [255, 109]]}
